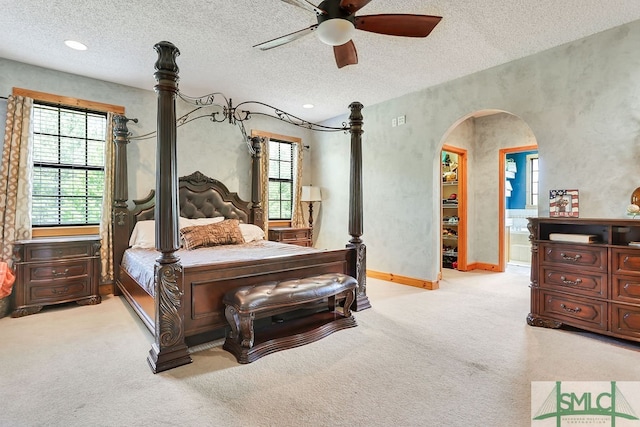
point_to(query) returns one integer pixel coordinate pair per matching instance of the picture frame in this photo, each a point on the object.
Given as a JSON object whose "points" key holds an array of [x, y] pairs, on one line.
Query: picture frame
{"points": [[564, 203]]}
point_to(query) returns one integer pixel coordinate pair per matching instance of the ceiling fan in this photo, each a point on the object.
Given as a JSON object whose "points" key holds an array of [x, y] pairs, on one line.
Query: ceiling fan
{"points": [[337, 22]]}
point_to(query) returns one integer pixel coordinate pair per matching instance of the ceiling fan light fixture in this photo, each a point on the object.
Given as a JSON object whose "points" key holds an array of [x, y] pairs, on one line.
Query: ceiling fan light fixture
{"points": [[335, 32]]}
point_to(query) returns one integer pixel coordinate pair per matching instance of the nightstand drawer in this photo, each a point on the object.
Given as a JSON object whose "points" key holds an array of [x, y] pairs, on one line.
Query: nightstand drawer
{"points": [[56, 251], [68, 290], [295, 236], [58, 271], [576, 282], [579, 255], [576, 311]]}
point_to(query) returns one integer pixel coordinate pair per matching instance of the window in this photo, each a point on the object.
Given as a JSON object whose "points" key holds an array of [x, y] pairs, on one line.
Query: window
{"points": [[532, 181], [280, 179], [68, 165]]}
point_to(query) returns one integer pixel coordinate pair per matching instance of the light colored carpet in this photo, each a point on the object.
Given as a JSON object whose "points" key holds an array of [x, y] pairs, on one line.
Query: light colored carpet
{"points": [[459, 356]]}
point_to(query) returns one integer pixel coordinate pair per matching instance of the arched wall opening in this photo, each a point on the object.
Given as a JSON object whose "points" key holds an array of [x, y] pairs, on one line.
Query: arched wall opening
{"points": [[485, 136]]}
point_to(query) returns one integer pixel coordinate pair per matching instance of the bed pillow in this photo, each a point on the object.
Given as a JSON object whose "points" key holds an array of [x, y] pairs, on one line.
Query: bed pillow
{"points": [[143, 235], [186, 222], [251, 232], [226, 232]]}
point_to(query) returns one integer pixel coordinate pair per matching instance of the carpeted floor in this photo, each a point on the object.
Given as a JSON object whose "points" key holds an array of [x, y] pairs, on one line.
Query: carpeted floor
{"points": [[459, 356]]}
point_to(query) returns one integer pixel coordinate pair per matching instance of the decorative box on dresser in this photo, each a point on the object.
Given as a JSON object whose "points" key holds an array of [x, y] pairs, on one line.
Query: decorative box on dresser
{"points": [[55, 270], [296, 236], [590, 285]]}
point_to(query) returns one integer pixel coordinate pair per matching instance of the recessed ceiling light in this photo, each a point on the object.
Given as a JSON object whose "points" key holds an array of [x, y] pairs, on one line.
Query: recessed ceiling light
{"points": [[75, 45], [307, 106]]}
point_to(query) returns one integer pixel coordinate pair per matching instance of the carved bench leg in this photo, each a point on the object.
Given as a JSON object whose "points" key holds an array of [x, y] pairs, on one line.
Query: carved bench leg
{"points": [[232, 318], [246, 329], [350, 297], [332, 303]]}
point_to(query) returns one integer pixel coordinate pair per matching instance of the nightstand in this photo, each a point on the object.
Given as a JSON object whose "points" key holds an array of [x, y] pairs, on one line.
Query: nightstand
{"points": [[55, 270], [295, 236]]}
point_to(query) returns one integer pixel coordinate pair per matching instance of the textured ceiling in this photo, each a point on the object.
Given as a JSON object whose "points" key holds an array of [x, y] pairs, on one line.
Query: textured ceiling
{"points": [[216, 38]]}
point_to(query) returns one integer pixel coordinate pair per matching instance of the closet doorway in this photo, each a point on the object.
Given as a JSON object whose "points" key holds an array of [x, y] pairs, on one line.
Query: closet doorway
{"points": [[453, 211], [519, 200]]}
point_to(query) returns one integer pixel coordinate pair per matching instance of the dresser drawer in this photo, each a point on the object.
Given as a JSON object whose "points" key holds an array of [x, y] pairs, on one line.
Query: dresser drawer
{"points": [[625, 320], [59, 291], [584, 256], [58, 271], [625, 261], [626, 288], [572, 310], [576, 282]]}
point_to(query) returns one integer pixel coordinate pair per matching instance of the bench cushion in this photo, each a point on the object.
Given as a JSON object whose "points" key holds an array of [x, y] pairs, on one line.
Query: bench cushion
{"points": [[276, 294]]}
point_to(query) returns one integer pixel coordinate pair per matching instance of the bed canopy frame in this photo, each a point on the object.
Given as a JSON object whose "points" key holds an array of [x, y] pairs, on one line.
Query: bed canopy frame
{"points": [[170, 349]]}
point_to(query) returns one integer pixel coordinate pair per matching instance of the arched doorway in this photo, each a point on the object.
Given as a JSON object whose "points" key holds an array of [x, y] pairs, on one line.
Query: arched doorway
{"points": [[484, 135]]}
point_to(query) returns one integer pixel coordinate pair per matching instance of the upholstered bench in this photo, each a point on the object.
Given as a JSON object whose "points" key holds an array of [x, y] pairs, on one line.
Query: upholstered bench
{"points": [[248, 303]]}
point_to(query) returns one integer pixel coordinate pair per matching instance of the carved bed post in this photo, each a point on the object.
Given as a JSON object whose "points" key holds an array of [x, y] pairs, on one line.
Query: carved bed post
{"points": [[355, 207], [257, 215], [169, 349], [120, 213]]}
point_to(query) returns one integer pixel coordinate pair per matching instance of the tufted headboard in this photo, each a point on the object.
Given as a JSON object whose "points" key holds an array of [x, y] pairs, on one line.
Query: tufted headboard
{"points": [[199, 197]]}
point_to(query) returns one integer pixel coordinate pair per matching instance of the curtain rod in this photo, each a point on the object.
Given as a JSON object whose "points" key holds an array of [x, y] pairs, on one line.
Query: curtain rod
{"points": [[4, 97]]}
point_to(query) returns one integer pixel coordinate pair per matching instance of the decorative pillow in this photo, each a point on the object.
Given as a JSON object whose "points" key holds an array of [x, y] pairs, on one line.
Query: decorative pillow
{"points": [[226, 232], [143, 235], [251, 232]]}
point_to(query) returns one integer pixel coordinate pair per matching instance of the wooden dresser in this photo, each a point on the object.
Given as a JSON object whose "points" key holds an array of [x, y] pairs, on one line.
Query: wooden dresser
{"points": [[55, 270], [295, 236], [592, 286]]}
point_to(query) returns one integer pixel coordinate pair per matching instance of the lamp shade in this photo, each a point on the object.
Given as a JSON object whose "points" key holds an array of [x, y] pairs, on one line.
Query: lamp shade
{"points": [[311, 194], [335, 32]]}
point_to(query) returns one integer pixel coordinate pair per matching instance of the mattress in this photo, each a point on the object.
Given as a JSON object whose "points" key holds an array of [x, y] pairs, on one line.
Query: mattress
{"points": [[140, 263]]}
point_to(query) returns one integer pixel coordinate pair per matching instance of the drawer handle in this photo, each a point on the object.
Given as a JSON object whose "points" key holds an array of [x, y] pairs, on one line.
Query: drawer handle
{"points": [[64, 290], [57, 273], [570, 258], [570, 310], [569, 282]]}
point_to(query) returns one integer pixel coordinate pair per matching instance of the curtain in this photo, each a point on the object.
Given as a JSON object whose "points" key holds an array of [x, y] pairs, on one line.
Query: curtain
{"points": [[16, 175], [106, 236], [297, 217], [264, 181]]}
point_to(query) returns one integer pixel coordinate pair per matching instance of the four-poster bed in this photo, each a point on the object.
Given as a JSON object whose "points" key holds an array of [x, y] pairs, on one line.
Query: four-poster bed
{"points": [[185, 296]]}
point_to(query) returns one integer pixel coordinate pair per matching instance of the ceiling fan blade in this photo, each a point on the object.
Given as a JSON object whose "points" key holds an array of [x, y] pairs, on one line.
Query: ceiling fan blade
{"points": [[352, 5], [306, 5], [398, 24], [286, 39], [346, 54]]}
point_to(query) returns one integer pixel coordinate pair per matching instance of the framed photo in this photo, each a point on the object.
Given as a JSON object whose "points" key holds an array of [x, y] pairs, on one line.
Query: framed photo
{"points": [[563, 203]]}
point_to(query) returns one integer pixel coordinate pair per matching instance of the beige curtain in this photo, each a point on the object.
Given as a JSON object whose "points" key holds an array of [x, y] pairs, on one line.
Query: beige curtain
{"points": [[264, 181], [16, 175], [297, 217], [106, 236]]}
